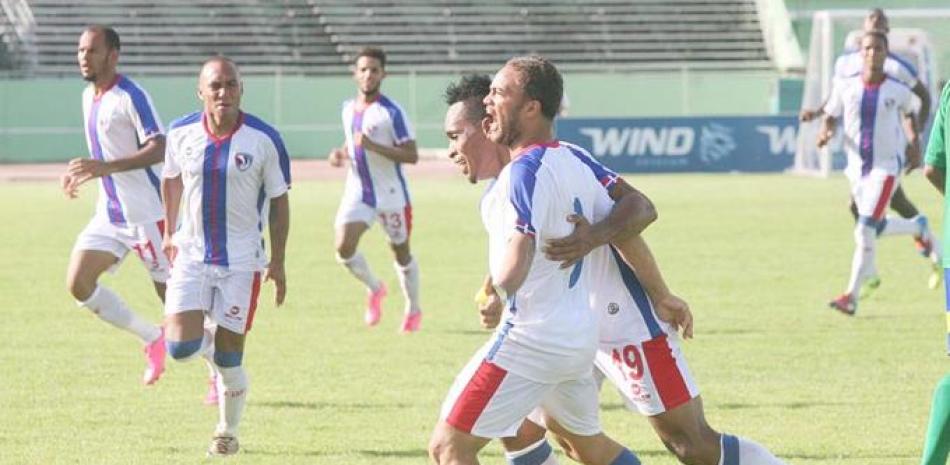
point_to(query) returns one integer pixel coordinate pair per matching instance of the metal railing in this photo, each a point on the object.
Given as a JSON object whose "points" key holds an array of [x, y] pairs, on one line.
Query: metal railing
{"points": [[18, 29]]}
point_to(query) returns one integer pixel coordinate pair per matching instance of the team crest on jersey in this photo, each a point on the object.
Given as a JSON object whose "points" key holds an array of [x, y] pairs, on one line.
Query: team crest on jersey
{"points": [[243, 161], [889, 103], [613, 308]]}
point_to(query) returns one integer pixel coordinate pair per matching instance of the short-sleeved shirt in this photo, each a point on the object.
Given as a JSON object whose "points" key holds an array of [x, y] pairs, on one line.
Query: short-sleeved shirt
{"points": [[117, 123], [227, 182], [374, 179], [871, 116], [548, 334], [851, 63], [937, 150]]}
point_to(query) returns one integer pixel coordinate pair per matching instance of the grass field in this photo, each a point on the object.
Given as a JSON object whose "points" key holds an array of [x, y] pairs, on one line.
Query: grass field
{"points": [[757, 257]]}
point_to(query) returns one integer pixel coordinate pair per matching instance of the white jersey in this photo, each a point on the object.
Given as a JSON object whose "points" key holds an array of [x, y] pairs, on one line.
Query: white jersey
{"points": [[227, 182], [374, 179], [851, 64], [549, 334], [871, 116], [118, 123]]}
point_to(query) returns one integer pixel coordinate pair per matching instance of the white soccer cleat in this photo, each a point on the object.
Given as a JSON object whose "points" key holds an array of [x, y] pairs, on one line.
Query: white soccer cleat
{"points": [[223, 446]]}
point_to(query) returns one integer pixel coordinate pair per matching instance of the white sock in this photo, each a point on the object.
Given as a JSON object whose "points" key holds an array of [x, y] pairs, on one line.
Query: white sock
{"points": [[232, 393], [409, 281], [741, 451], [896, 225], [862, 263], [110, 308], [360, 269], [539, 453]]}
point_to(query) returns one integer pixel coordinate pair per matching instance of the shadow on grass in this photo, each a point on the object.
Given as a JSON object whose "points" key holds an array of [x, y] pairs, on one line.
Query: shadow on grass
{"points": [[833, 456], [289, 404], [743, 406]]}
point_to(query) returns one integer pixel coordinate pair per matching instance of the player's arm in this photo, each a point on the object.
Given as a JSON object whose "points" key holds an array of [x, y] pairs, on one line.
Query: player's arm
{"points": [[668, 306], [84, 169], [936, 167], [172, 188], [913, 142], [827, 130], [402, 153], [516, 265], [631, 213], [921, 92], [279, 228]]}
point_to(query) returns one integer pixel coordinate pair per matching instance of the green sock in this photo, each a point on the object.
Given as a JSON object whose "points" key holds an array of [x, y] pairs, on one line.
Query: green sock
{"points": [[937, 445]]}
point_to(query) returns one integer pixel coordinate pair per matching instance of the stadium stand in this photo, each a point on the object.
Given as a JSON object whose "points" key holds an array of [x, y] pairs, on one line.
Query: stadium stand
{"points": [[320, 36]]}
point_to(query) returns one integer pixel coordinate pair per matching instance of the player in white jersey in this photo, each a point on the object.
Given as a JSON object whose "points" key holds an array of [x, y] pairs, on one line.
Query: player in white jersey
{"points": [[543, 351], [639, 316], [871, 106], [126, 144], [850, 64], [226, 176], [379, 139]]}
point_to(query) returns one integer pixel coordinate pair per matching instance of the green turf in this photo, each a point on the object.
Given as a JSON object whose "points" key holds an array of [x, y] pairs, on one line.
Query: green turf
{"points": [[758, 257]]}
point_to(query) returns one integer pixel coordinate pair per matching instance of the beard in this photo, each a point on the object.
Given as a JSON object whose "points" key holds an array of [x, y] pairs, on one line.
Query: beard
{"points": [[89, 77]]}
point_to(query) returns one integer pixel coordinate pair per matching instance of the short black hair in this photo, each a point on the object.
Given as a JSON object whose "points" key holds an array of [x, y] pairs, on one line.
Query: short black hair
{"points": [[541, 81], [111, 37], [471, 89], [877, 35], [372, 52]]}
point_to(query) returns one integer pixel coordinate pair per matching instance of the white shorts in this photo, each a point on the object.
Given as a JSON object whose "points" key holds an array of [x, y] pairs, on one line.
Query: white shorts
{"points": [[652, 376], [489, 402], [229, 298], [397, 222], [145, 239], [872, 193]]}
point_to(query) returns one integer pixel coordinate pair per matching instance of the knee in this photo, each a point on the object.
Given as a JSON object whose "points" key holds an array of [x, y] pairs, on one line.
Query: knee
{"points": [[182, 350], [345, 249], [687, 450], [438, 448], [81, 289], [569, 450]]}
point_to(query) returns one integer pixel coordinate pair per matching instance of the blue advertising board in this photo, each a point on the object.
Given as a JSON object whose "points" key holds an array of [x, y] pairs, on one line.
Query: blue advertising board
{"points": [[696, 144]]}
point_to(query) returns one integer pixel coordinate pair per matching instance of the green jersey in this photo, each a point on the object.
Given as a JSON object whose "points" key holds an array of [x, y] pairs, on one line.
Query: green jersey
{"points": [[937, 150]]}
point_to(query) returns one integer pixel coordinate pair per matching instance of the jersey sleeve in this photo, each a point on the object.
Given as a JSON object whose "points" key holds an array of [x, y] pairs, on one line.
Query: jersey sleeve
{"points": [[171, 168], [529, 197], [937, 146], [834, 106], [143, 114], [276, 167], [402, 131], [909, 103], [901, 70]]}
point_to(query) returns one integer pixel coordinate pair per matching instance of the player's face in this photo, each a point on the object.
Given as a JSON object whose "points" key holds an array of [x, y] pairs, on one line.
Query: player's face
{"points": [[94, 56], [220, 89], [874, 51], [504, 104], [368, 73], [469, 147]]}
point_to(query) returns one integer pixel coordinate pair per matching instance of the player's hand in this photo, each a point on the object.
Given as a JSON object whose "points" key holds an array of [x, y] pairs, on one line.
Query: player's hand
{"points": [[364, 141], [675, 311], [823, 138], [84, 169], [168, 248], [336, 157], [69, 186], [914, 159], [490, 308], [275, 273], [808, 115], [571, 248]]}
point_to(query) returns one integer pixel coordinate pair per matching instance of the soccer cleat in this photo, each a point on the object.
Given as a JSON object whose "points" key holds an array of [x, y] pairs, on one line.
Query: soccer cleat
{"points": [[374, 305], [870, 285], [154, 360], [223, 446], [936, 277], [411, 322], [212, 397], [845, 303]]}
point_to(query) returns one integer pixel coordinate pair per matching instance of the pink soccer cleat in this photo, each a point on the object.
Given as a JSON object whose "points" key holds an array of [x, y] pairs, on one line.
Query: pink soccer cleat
{"points": [[212, 397], [845, 303], [154, 360], [374, 305], [411, 322]]}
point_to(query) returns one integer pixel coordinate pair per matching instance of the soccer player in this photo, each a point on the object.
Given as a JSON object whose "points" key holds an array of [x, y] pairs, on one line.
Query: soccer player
{"points": [[850, 64], [542, 354], [871, 106], [126, 144], [639, 316], [937, 444], [226, 175], [379, 139]]}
